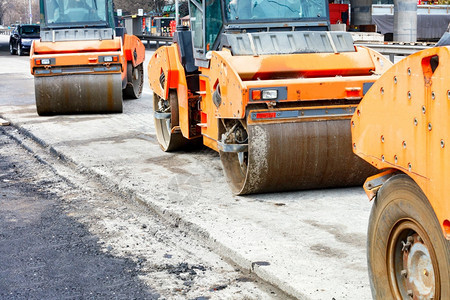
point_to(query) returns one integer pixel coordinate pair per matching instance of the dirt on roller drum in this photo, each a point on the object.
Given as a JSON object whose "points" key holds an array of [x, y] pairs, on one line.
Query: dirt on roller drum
{"points": [[71, 238]]}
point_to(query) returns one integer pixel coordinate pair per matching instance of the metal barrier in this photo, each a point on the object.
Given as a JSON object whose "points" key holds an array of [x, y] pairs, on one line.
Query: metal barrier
{"points": [[5, 31], [393, 49], [167, 40], [388, 9]]}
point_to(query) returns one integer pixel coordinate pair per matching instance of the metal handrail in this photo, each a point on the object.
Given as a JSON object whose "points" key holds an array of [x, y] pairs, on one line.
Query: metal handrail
{"points": [[393, 49]]}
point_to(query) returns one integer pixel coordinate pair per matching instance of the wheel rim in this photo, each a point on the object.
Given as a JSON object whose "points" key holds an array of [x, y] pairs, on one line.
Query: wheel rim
{"points": [[163, 126], [135, 81], [19, 50], [138, 80], [412, 262]]}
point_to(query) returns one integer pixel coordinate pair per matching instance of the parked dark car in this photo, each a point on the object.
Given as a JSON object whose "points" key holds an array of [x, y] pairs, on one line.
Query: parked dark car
{"points": [[22, 37]]}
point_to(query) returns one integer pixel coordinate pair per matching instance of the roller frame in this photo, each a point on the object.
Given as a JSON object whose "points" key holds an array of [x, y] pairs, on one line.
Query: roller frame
{"points": [[77, 80], [226, 70]]}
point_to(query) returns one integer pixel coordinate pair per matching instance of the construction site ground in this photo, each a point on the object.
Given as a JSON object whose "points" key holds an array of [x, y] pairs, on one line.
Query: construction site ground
{"points": [[164, 215]]}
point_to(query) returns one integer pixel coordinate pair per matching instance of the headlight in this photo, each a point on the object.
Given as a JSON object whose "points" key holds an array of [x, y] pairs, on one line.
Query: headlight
{"points": [[278, 93], [27, 41], [108, 59], [44, 61], [269, 94]]}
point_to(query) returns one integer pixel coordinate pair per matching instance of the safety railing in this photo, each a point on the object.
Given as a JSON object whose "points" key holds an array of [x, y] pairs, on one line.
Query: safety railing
{"points": [[397, 49]]}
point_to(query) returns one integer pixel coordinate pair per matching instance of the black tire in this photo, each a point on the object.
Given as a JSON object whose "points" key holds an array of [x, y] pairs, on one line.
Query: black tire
{"points": [[402, 214], [135, 81], [11, 49], [19, 49], [168, 139]]}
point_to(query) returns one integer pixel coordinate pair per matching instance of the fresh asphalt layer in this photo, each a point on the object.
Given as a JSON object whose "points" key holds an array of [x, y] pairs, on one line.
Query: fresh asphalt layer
{"points": [[310, 244]]}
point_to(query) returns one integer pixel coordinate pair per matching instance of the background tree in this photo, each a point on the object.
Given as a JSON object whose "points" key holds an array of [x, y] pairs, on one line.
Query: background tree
{"points": [[1, 11], [17, 11]]}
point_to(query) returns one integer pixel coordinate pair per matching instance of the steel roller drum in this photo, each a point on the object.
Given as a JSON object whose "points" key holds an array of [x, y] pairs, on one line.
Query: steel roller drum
{"points": [[84, 93], [296, 156]]}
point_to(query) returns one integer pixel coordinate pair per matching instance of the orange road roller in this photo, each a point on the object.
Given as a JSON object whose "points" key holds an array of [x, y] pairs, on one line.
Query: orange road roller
{"points": [[269, 88], [402, 128], [81, 64]]}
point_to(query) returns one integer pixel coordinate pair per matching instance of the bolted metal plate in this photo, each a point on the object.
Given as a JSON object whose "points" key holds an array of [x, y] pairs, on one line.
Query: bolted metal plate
{"points": [[78, 93]]}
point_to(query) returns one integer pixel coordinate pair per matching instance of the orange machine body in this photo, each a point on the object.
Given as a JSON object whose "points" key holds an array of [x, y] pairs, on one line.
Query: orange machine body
{"points": [[403, 124], [309, 81], [87, 53]]}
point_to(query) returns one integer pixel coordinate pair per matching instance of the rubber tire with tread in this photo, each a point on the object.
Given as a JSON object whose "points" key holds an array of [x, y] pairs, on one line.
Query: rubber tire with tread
{"points": [[19, 49], [11, 49], [400, 198]]}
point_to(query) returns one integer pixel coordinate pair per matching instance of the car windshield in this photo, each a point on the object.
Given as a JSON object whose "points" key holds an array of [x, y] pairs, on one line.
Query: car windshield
{"points": [[274, 9], [75, 11], [30, 30]]}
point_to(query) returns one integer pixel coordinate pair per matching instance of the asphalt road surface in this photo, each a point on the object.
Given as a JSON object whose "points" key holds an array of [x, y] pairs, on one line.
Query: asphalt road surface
{"points": [[64, 236], [167, 223], [45, 253]]}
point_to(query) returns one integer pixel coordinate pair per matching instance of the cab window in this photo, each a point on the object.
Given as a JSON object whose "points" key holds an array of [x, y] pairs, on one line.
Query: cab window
{"points": [[214, 24], [274, 9], [197, 23]]}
